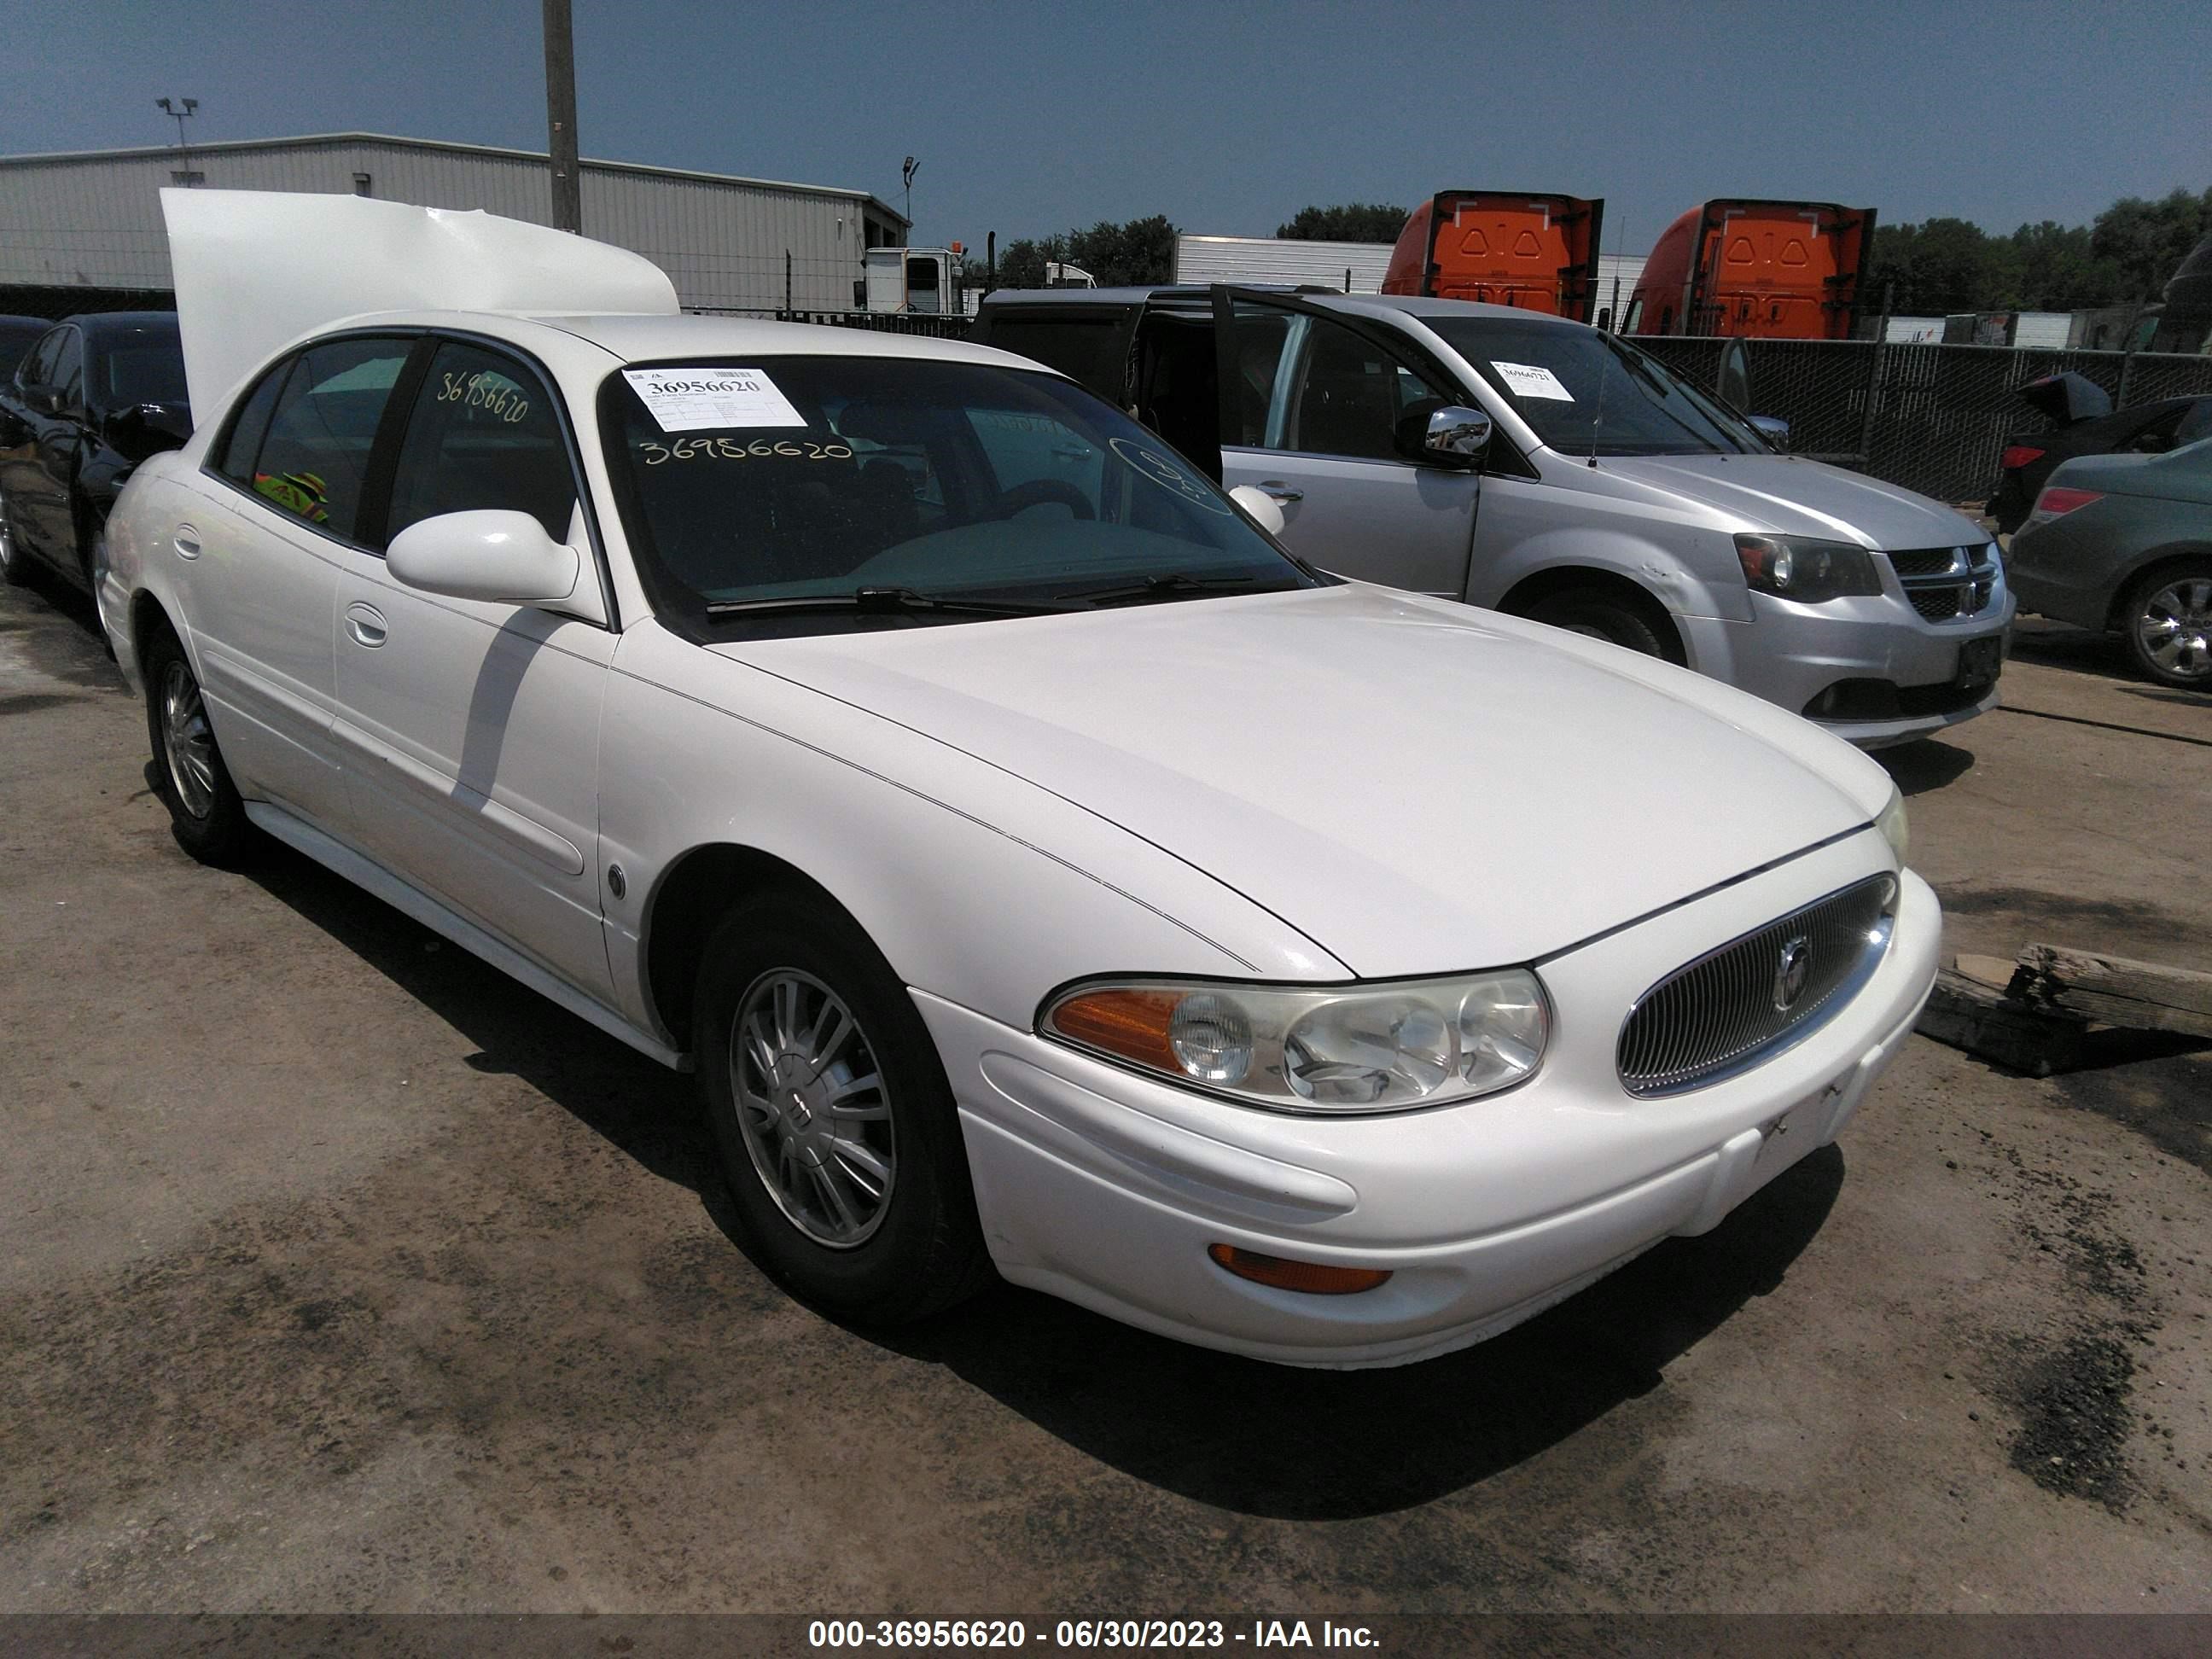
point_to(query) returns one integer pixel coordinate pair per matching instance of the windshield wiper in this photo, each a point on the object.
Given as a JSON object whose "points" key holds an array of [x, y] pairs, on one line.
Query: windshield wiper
{"points": [[1177, 585], [894, 601]]}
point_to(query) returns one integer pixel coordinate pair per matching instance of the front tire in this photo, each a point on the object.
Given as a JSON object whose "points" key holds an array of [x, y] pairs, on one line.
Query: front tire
{"points": [[1599, 614], [2167, 620], [837, 1131], [205, 813]]}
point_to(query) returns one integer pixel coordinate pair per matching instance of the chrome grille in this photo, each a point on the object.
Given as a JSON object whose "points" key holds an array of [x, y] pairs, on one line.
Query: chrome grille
{"points": [[1942, 583], [1725, 1011]]}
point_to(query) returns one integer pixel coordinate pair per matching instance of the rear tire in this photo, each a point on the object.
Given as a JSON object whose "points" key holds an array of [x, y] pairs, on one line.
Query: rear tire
{"points": [[2167, 620], [205, 813], [1600, 615], [841, 1148]]}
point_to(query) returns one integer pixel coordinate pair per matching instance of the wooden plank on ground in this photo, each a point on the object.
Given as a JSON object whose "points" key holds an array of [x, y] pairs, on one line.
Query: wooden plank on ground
{"points": [[2143, 996], [1965, 1012]]}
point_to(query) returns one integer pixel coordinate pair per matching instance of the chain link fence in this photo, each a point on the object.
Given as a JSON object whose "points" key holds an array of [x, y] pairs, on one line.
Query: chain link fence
{"points": [[1933, 418]]}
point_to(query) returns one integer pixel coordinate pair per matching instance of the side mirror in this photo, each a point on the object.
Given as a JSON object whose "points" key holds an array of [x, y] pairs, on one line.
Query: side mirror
{"points": [[1449, 435], [1774, 430], [1264, 509], [502, 557], [46, 399]]}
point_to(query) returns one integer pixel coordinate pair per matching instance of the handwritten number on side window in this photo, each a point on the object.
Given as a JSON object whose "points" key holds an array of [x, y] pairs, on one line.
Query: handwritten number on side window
{"points": [[487, 391], [733, 449]]}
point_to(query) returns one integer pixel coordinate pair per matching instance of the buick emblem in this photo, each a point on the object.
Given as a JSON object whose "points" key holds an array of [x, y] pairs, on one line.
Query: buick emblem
{"points": [[1791, 972]]}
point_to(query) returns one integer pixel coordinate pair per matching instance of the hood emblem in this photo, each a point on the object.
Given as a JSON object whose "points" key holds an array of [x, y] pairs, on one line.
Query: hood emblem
{"points": [[1791, 972]]}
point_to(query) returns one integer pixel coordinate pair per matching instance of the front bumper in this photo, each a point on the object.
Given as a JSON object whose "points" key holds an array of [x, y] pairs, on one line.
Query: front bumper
{"points": [[1106, 1187], [1791, 653]]}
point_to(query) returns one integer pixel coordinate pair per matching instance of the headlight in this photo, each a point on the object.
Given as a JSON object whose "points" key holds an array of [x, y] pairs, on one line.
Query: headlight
{"points": [[1339, 1049], [1798, 567], [1893, 825]]}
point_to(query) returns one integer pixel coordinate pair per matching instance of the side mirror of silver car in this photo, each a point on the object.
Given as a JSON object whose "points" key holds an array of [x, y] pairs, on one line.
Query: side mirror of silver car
{"points": [[1775, 430], [502, 557], [1453, 435]]}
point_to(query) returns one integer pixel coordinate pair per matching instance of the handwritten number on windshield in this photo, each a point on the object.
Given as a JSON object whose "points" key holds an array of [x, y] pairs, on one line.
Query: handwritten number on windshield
{"points": [[731, 449]]}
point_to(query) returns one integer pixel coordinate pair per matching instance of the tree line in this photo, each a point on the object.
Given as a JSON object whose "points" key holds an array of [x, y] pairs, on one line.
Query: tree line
{"points": [[1935, 266], [2122, 257], [1142, 251]]}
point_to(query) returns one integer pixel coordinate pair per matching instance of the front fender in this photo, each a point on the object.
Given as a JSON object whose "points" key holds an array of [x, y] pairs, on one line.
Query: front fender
{"points": [[1691, 583]]}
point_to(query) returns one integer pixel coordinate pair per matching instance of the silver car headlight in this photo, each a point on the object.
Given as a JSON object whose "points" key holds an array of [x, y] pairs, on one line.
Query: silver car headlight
{"points": [[1894, 827], [1380, 1048], [1805, 569]]}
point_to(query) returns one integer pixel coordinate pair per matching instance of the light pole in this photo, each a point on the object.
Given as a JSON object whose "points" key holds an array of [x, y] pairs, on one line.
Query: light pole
{"points": [[178, 109], [561, 117], [906, 178]]}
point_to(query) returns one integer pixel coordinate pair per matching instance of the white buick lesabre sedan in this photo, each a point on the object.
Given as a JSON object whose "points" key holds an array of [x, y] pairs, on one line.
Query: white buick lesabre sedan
{"points": [[1043, 873]]}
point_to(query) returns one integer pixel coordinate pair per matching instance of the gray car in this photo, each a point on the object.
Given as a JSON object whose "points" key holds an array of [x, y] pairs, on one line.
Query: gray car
{"points": [[1538, 466], [2124, 544]]}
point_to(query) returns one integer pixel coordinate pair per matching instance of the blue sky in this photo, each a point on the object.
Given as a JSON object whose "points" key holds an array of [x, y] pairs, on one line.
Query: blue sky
{"points": [[1227, 117]]}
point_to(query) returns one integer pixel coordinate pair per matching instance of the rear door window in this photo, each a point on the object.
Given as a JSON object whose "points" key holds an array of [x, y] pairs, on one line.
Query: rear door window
{"points": [[484, 432], [313, 462], [243, 448]]}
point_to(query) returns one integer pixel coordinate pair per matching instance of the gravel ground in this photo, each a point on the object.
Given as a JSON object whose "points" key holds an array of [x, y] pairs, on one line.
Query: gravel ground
{"points": [[339, 1273]]}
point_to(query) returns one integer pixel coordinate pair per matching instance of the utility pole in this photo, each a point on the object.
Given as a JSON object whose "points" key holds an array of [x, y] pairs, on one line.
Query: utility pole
{"points": [[561, 117], [178, 110]]}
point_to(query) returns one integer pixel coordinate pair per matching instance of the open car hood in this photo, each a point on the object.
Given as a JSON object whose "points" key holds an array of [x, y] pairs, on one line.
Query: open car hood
{"points": [[255, 269], [1417, 787]]}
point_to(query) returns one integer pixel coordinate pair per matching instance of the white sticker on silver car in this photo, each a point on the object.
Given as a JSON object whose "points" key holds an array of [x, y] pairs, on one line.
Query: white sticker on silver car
{"points": [[1532, 380]]}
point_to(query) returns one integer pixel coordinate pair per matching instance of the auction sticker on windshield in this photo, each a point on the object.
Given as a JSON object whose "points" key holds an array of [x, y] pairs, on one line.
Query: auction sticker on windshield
{"points": [[1532, 380], [693, 400]]}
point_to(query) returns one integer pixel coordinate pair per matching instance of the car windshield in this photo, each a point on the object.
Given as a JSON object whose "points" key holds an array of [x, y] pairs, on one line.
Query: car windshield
{"points": [[145, 366], [762, 484], [1574, 385]]}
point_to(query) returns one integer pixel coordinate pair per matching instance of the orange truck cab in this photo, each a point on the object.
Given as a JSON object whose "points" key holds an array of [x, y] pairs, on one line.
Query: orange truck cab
{"points": [[1785, 271], [1539, 252]]}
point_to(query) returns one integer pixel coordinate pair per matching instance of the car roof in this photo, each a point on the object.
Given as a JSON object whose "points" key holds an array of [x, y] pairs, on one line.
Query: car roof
{"points": [[117, 322], [1182, 295], [638, 338]]}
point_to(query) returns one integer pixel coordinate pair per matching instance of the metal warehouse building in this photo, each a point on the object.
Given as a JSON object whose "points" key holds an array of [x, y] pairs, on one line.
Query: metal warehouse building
{"points": [[92, 219]]}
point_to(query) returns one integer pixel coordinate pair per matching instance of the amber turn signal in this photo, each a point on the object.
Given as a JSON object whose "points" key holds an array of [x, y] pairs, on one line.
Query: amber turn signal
{"points": [[1131, 1023], [1312, 1277]]}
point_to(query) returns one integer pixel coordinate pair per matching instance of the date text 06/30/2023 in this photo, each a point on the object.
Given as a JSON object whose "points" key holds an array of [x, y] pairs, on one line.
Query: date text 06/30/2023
{"points": [[1086, 1633]]}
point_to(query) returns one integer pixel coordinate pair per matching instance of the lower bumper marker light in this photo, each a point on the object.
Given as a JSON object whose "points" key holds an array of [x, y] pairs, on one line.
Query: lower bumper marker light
{"points": [[1313, 1277]]}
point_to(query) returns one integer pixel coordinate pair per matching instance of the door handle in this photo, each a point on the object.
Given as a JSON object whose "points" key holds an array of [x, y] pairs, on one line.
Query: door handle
{"points": [[365, 623], [1276, 489], [186, 541]]}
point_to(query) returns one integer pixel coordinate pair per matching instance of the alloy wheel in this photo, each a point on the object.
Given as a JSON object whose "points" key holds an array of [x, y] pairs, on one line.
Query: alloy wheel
{"points": [[813, 1108], [2174, 628], [187, 741]]}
